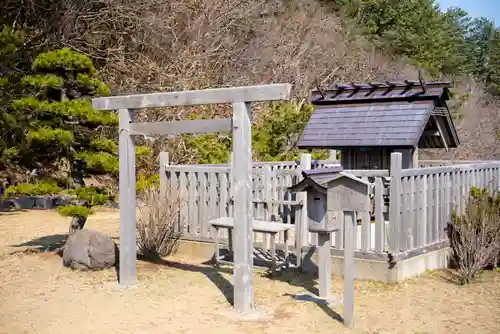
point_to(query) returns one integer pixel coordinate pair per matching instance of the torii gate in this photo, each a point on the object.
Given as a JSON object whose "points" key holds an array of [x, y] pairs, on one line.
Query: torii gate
{"points": [[240, 126]]}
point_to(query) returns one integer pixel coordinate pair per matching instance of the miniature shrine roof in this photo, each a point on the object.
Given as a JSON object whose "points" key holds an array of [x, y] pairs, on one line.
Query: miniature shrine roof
{"points": [[391, 114]]}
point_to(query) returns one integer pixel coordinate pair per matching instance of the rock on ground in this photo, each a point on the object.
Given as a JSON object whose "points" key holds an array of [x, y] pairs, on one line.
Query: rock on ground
{"points": [[88, 249]]}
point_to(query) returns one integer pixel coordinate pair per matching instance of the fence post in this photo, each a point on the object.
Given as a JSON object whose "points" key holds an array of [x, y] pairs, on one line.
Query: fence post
{"points": [[333, 156], [395, 201], [497, 179], [379, 216], [242, 215], [414, 162], [128, 244], [301, 231], [164, 161], [231, 178]]}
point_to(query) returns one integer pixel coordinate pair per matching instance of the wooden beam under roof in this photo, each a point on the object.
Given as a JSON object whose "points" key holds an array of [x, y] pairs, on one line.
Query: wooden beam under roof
{"points": [[431, 133], [441, 133]]}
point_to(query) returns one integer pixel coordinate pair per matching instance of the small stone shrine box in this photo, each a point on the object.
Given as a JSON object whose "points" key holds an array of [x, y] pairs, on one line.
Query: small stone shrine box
{"points": [[329, 192]]}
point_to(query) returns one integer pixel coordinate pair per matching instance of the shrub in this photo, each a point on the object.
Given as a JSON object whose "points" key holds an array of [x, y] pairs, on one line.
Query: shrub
{"points": [[93, 196], [33, 189], [157, 223], [475, 235], [106, 145], [101, 162], [144, 183], [87, 197], [74, 211]]}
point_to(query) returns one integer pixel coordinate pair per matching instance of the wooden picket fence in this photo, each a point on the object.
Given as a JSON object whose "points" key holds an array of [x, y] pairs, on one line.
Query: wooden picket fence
{"points": [[206, 194], [441, 163], [420, 206], [429, 196]]}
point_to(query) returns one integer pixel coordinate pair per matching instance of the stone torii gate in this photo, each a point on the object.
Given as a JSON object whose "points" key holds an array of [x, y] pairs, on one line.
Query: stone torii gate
{"points": [[240, 126]]}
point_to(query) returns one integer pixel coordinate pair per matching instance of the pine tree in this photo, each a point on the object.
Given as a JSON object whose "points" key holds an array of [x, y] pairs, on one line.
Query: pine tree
{"points": [[413, 28], [10, 42], [60, 125], [479, 45], [493, 77], [276, 136]]}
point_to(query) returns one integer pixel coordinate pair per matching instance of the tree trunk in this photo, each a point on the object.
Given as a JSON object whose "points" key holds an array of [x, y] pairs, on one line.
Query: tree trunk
{"points": [[77, 223], [77, 167]]}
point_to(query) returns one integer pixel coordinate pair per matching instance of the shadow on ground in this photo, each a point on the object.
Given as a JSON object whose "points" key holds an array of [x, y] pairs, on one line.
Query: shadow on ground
{"points": [[453, 277], [54, 243], [47, 243], [11, 211], [290, 275], [448, 276], [306, 281], [213, 274]]}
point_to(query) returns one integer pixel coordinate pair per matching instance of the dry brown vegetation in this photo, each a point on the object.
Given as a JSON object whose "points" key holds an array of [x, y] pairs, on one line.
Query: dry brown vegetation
{"points": [[158, 223], [182, 295], [475, 235], [157, 45], [477, 123], [167, 45], [479, 128]]}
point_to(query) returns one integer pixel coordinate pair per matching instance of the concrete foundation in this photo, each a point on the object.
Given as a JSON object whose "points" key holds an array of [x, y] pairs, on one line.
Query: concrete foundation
{"points": [[382, 271], [204, 250]]}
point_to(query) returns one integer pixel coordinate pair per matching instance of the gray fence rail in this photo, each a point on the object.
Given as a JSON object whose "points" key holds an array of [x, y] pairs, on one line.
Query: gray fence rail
{"points": [[410, 208]]}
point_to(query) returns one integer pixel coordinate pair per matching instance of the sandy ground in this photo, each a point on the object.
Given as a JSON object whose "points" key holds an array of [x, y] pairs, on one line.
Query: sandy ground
{"points": [[38, 295]]}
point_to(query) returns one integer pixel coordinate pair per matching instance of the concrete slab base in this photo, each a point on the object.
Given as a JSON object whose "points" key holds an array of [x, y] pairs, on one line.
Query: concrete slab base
{"points": [[384, 271], [364, 269]]}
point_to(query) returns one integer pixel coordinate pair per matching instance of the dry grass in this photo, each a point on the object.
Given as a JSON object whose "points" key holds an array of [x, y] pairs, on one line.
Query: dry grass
{"points": [[182, 295]]}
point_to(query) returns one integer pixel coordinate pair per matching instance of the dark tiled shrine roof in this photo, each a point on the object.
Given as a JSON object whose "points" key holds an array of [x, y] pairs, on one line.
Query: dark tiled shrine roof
{"points": [[381, 115]]}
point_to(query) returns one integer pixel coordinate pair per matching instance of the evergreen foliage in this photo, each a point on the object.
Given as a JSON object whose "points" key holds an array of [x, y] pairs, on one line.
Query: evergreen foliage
{"points": [[10, 42], [274, 136], [74, 211], [90, 196], [144, 183], [36, 189], [413, 28], [493, 74], [47, 119], [59, 120], [443, 42], [46, 115], [94, 196]]}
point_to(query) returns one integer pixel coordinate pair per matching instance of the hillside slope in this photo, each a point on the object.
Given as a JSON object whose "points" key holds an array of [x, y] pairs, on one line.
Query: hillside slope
{"points": [[149, 45], [477, 123], [157, 45]]}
